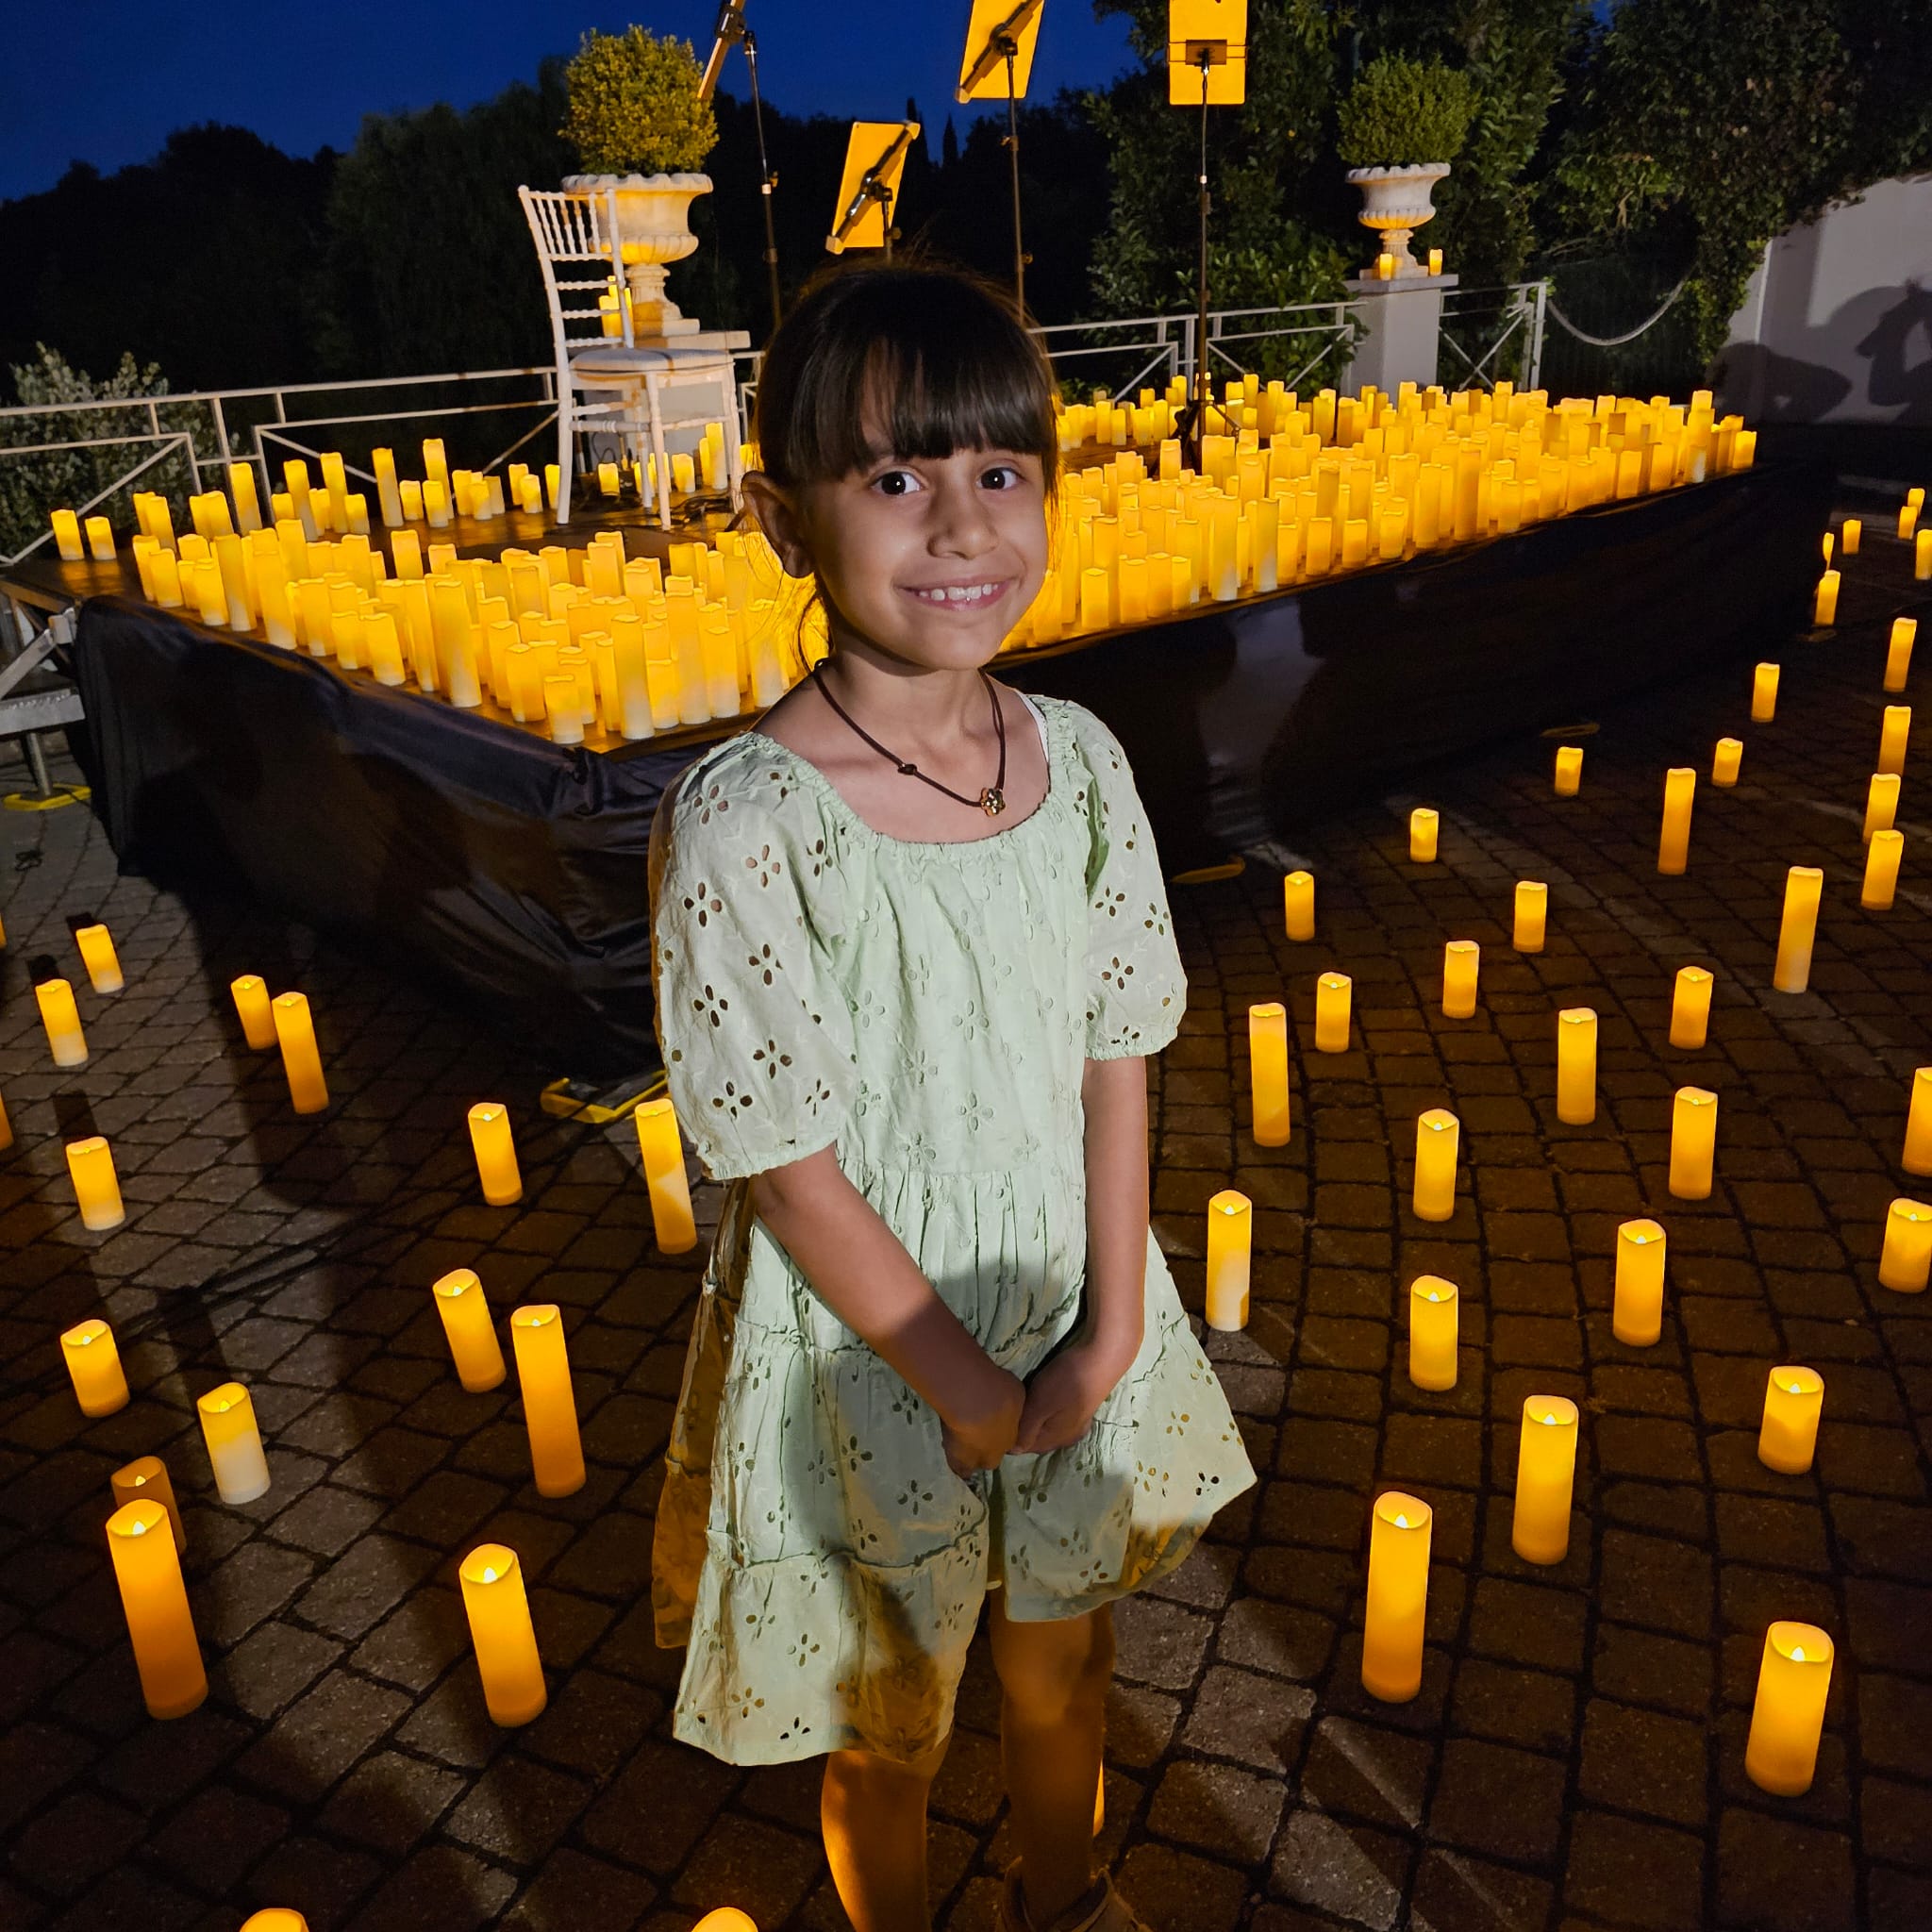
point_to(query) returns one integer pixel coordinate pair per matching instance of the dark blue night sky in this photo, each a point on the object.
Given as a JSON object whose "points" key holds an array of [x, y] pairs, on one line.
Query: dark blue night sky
{"points": [[106, 80]]}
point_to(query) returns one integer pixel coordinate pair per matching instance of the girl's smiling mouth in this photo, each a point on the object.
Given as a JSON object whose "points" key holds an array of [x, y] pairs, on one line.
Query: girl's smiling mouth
{"points": [[961, 596]]}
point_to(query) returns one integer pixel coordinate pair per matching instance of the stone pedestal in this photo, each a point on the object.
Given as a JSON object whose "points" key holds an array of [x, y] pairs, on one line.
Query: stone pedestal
{"points": [[1401, 320]]}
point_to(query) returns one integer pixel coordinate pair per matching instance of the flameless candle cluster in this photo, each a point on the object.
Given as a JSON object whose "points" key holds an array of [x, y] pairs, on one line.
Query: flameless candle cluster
{"points": [[583, 643], [1291, 492]]}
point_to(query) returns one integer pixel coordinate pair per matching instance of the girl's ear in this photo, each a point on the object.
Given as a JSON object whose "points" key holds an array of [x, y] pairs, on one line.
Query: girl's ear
{"points": [[779, 520]]}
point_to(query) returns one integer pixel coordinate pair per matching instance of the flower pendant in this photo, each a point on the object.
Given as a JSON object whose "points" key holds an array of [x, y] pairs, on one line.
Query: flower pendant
{"points": [[992, 801]]}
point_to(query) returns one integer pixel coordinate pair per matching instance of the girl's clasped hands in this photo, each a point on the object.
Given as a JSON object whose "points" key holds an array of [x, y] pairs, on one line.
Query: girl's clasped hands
{"points": [[1051, 1410]]}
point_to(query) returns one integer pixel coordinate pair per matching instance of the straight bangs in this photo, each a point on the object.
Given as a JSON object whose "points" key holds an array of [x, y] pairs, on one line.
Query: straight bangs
{"points": [[908, 362]]}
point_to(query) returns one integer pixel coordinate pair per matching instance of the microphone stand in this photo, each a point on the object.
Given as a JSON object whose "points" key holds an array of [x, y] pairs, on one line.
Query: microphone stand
{"points": [[1192, 424], [734, 30]]}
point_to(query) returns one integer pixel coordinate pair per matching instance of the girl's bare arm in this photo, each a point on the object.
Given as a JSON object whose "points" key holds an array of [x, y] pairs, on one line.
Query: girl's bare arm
{"points": [[1114, 1093], [860, 1269], [1063, 1397]]}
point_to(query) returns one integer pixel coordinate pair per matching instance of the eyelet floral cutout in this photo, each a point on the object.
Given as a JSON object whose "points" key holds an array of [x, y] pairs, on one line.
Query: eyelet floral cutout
{"points": [[924, 1014]]}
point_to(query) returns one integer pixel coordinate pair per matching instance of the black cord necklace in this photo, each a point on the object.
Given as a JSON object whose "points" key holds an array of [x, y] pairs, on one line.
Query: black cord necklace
{"points": [[992, 801]]}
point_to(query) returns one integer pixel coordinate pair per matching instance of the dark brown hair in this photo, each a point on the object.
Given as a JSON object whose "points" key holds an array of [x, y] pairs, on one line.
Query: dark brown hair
{"points": [[936, 358]]}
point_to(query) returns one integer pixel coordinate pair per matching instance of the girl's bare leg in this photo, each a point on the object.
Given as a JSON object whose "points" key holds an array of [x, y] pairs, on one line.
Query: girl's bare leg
{"points": [[873, 1812], [1053, 1720]]}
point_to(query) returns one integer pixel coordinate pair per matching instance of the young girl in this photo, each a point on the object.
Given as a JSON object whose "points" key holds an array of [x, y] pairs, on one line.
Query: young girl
{"points": [[912, 947]]}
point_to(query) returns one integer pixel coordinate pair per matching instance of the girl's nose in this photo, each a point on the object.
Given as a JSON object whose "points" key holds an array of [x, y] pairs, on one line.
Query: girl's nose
{"points": [[961, 526]]}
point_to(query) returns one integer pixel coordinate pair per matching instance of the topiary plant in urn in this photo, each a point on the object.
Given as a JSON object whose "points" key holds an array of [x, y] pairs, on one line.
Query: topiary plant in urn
{"points": [[1400, 127], [641, 126]]}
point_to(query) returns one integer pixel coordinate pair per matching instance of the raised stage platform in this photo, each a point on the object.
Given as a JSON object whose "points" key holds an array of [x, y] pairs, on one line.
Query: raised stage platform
{"points": [[514, 870]]}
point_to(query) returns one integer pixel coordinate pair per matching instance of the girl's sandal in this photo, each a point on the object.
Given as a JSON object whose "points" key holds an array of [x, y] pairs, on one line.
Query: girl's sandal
{"points": [[1111, 1914]]}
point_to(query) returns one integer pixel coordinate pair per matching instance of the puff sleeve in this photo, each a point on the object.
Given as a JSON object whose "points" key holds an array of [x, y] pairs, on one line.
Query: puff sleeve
{"points": [[755, 1034], [1136, 989]]}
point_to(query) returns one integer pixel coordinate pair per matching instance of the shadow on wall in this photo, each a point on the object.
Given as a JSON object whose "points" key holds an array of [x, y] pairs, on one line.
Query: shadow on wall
{"points": [[1887, 333]]}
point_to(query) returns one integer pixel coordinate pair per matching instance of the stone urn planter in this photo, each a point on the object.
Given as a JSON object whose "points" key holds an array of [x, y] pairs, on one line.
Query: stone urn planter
{"points": [[1395, 203], [653, 231]]}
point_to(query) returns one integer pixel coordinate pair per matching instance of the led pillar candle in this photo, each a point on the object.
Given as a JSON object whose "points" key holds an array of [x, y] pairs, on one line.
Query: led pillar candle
{"points": [[500, 1628], [1298, 904], [1532, 915], [274, 1919], [154, 1599], [1693, 1142], [98, 956], [729, 1919], [90, 1162], [1898, 652], [1764, 695], [1230, 1247], [1691, 1007], [62, 1019], [1921, 555], [1824, 601], [253, 1009], [1636, 1316], [1788, 1438], [664, 1173], [1577, 1066], [1917, 1157], [93, 1364], [100, 539], [471, 1336], [1882, 859], [234, 1444], [1674, 843], [1432, 1332], [1892, 736], [1268, 1072], [1398, 1597], [1788, 1718], [1424, 825], [145, 1480], [1881, 804], [1334, 994], [496, 1154], [550, 1409], [1437, 1135], [1461, 962], [1850, 534], [1569, 770], [67, 537], [1904, 1263], [1725, 764], [1798, 929], [561, 697], [301, 1057], [1434, 261], [1545, 1479]]}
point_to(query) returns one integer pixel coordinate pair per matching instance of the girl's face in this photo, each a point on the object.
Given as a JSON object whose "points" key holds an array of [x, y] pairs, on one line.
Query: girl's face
{"points": [[931, 559]]}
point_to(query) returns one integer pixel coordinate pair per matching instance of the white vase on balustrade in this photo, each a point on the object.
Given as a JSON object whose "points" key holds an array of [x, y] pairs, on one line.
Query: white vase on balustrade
{"points": [[653, 231], [1395, 203]]}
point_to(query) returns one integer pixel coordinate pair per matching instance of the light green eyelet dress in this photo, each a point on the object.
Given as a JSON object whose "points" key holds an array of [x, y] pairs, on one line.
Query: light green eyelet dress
{"points": [[928, 1010]]}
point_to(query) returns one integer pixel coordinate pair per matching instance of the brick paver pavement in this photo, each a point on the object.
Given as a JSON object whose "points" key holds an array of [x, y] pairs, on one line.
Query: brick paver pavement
{"points": [[1574, 1759]]}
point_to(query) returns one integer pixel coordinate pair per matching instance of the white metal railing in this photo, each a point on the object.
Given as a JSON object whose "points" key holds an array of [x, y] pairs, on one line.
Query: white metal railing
{"points": [[209, 426], [224, 426], [1477, 324]]}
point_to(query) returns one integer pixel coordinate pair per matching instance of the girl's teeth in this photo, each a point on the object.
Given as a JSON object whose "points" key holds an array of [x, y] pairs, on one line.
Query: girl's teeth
{"points": [[969, 594]]}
